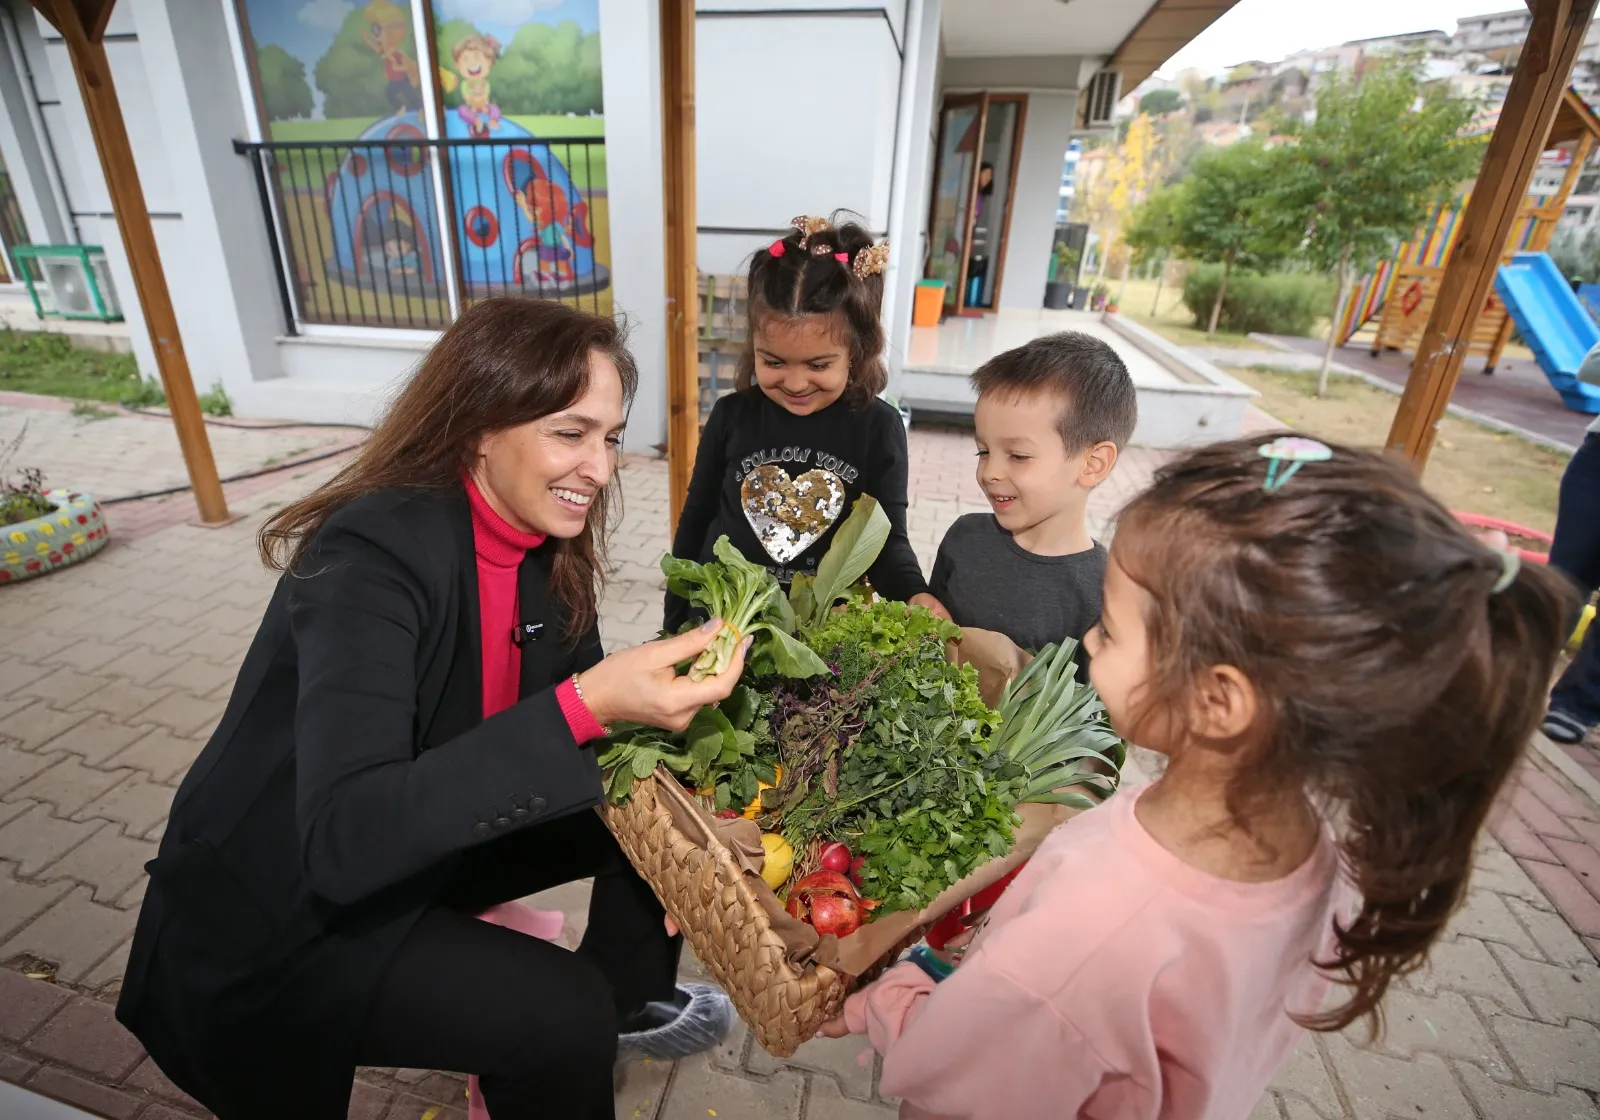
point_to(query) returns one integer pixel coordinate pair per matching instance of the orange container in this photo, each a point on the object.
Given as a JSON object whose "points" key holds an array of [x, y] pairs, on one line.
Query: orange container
{"points": [[929, 304]]}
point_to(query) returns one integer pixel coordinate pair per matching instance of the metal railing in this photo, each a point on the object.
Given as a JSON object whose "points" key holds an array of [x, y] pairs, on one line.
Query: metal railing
{"points": [[404, 230]]}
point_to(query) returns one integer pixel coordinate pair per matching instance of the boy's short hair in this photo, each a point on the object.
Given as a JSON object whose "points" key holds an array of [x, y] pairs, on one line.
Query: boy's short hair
{"points": [[1099, 401]]}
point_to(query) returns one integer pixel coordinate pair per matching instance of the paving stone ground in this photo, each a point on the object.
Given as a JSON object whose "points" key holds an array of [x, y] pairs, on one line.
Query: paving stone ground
{"points": [[113, 672]]}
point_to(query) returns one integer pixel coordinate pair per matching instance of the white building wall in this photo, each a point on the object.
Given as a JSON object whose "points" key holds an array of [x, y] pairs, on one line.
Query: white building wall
{"points": [[796, 106], [767, 150]]}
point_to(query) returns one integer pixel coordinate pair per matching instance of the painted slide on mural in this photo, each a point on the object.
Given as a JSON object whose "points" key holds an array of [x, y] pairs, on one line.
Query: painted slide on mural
{"points": [[515, 82]]}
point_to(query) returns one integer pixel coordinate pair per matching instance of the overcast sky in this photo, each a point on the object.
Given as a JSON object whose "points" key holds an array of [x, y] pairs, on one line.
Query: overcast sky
{"points": [[1261, 29]]}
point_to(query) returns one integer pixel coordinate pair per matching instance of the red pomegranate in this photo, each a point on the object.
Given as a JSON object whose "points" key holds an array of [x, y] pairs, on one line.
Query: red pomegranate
{"points": [[828, 902]]}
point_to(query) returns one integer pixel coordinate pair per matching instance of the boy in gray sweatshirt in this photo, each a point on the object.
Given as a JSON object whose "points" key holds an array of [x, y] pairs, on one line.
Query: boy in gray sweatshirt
{"points": [[1052, 416]]}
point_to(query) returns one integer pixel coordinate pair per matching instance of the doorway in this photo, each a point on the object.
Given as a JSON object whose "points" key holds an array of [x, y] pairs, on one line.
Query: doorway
{"points": [[975, 177]]}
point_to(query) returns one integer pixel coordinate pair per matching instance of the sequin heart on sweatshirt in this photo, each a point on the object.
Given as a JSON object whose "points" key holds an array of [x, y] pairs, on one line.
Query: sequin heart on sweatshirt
{"points": [[789, 515]]}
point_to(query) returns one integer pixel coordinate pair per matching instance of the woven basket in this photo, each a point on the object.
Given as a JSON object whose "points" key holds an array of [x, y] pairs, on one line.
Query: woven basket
{"points": [[707, 895]]}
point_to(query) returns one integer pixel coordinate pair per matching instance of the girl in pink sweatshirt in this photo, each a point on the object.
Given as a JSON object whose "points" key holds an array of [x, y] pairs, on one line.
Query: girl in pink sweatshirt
{"points": [[1340, 678]]}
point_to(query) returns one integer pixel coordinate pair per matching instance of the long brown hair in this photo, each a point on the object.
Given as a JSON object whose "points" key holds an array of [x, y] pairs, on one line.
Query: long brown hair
{"points": [[812, 281], [504, 362], [1397, 686]]}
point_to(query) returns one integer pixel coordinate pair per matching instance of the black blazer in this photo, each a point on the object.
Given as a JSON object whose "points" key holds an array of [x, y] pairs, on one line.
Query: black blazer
{"points": [[351, 777]]}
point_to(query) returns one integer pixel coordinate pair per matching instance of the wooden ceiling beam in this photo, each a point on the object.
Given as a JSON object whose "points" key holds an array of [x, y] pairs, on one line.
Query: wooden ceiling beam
{"points": [[1167, 27]]}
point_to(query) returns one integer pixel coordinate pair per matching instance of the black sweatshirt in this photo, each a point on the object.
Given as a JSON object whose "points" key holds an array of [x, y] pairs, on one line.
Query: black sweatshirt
{"points": [[779, 484]]}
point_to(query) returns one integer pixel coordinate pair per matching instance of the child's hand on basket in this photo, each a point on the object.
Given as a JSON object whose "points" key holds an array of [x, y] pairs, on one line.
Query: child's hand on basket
{"points": [[642, 685]]}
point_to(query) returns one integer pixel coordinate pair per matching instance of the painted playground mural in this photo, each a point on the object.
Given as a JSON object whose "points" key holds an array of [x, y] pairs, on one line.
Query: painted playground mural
{"points": [[515, 85]]}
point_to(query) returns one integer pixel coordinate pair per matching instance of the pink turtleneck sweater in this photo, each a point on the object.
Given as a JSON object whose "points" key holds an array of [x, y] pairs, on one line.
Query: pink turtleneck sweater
{"points": [[500, 549]]}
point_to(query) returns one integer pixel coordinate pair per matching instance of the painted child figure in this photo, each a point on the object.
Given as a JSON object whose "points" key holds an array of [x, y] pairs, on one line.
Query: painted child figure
{"points": [[1341, 679], [782, 459], [475, 57]]}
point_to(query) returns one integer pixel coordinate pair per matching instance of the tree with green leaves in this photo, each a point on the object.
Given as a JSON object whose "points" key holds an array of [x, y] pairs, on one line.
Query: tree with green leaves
{"points": [[549, 69], [351, 74], [1151, 232], [1159, 102], [284, 88], [1220, 215], [1382, 151]]}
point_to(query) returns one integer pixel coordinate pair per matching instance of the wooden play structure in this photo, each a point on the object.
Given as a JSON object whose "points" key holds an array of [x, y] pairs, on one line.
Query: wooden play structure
{"points": [[1390, 306], [1538, 95]]}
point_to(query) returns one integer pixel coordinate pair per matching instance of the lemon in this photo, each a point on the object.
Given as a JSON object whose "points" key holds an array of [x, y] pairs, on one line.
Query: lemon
{"points": [[779, 863]]}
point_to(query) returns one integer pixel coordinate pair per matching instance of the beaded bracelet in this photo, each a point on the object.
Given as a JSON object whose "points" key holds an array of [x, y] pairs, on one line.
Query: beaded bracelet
{"points": [[578, 691]]}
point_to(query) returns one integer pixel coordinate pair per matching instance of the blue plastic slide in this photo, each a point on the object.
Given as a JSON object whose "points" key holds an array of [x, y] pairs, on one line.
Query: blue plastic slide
{"points": [[1552, 322]]}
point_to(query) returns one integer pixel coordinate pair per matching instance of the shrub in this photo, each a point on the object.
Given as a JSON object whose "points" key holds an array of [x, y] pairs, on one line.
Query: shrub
{"points": [[1577, 254], [216, 402], [148, 393], [1275, 303]]}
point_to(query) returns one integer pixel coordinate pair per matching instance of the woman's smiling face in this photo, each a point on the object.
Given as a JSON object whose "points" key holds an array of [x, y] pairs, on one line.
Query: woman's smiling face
{"points": [[543, 476], [802, 363]]}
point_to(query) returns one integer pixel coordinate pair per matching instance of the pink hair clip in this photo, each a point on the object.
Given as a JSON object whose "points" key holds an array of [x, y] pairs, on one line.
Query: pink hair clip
{"points": [[776, 248], [842, 258]]}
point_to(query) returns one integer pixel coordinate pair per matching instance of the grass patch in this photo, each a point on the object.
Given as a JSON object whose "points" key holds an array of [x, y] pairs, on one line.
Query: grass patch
{"points": [[48, 364], [38, 362], [89, 410], [1472, 469]]}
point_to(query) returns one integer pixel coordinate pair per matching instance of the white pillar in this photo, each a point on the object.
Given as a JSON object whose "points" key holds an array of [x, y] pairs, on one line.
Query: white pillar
{"points": [[630, 73], [913, 174], [216, 254], [1045, 137], [24, 139]]}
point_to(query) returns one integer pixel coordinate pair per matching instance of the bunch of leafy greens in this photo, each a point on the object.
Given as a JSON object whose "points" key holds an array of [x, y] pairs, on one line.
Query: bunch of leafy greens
{"points": [[883, 743], [854, 548], [720, 749], [750, 602], [891, 755], [1055, 727]]}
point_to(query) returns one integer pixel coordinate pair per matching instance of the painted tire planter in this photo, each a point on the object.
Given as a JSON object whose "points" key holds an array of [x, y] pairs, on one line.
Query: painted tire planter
{"points": [[1511, 528], [74, 531]]}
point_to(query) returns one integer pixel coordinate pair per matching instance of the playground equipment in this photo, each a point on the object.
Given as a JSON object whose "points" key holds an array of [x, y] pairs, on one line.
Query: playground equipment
{"points": [[1554, 324], [522, 223], [1395, 300]]}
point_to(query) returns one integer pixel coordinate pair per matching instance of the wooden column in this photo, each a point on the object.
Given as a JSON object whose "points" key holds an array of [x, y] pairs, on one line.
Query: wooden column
{"points": [[1519, 138], [677, 167], [82, 23]]}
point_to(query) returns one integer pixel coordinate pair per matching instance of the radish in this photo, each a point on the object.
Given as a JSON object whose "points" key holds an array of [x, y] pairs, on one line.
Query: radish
{"points": [[855, 869], [836, 857]]}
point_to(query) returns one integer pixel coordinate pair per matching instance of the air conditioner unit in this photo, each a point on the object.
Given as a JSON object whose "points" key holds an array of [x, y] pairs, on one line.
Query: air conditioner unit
{"points": [[70, 282], [1100, 99]]}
